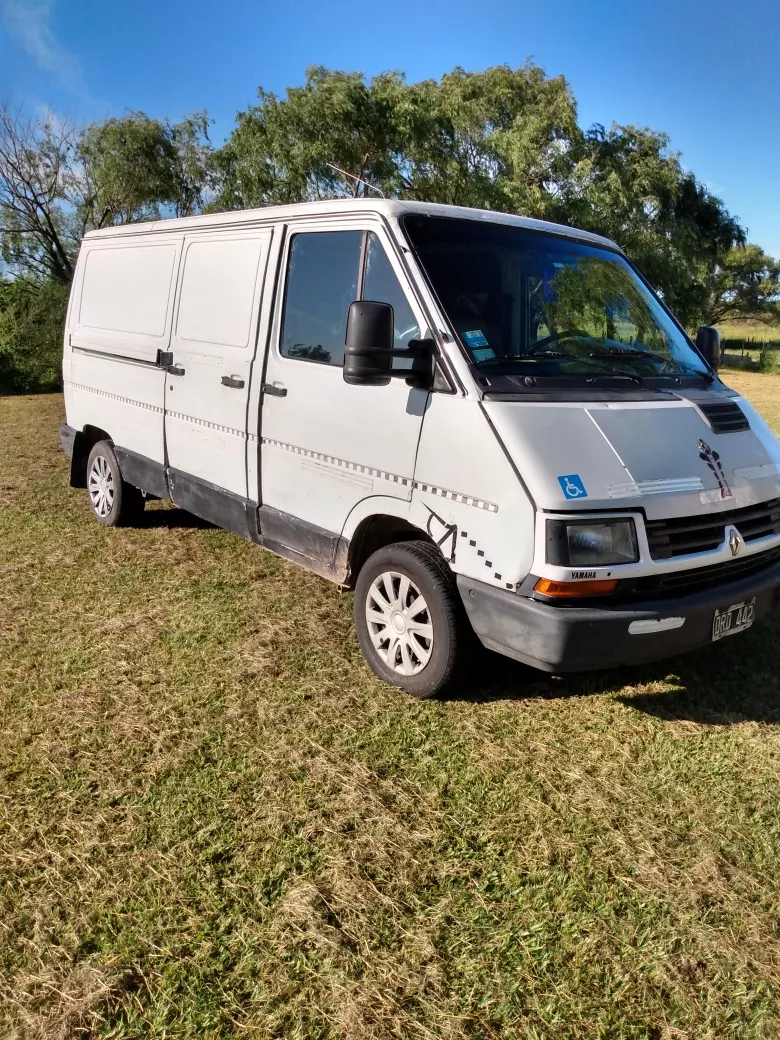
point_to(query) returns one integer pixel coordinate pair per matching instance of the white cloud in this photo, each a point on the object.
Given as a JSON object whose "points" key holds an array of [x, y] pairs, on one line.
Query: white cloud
{"points": [[28, 22]]}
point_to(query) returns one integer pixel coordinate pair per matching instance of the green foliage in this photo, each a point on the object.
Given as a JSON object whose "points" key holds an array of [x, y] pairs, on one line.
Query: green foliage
{"points": [[744, 283], [503, 139], [32, 317], [280, 148], [627, 185], [137, 168], [767, 360], [39, 228], [57, 182]]}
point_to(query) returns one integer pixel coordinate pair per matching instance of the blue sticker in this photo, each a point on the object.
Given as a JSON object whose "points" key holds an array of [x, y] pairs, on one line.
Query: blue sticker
{"points": [[483, 354], [475, 338], [572, 486]]}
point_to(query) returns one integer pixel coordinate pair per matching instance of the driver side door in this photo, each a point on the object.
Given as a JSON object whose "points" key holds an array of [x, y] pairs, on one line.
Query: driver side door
{"points": [[327, 445]]}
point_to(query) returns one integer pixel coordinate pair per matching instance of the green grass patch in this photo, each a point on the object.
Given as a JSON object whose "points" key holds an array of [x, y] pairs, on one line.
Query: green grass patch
{"points": [[215, 822]]}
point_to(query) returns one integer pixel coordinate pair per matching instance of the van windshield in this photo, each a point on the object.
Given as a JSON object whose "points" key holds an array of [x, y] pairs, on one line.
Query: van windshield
{"points": [[524, 303]]}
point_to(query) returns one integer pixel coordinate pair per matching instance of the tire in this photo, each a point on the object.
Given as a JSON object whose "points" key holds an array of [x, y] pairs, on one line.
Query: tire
{"points": [[431, 656], [113, 501]]}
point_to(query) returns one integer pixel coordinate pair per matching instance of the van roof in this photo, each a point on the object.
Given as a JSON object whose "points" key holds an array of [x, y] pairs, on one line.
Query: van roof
{"points": [[335, 207]]}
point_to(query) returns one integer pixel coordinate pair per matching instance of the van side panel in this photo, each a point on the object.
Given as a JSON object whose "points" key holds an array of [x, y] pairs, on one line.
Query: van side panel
{"points": [[119, 318], [213, 346]]}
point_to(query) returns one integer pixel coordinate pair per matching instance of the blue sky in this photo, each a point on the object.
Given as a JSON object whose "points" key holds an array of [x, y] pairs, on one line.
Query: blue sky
{"points": [[705, 71]]}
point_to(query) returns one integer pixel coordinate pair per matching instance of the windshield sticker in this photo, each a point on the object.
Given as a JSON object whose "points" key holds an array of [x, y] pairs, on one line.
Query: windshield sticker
{"points": [[572, 486], [483, 354], [475, 338]]}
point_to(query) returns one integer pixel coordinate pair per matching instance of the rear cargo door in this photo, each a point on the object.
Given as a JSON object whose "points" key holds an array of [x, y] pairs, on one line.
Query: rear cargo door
{"points": [[120, 321]]}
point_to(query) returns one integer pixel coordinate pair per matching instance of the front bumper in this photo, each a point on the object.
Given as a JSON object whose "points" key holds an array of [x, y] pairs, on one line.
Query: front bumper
{"points": [[578, 639]]}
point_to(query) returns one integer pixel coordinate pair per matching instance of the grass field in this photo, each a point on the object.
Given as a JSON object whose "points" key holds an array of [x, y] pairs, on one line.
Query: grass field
{"points": [[215, 822], [750, 330]]}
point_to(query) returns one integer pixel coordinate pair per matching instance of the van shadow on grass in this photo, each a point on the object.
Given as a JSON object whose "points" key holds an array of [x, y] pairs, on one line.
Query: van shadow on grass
{"points": [[171, 517], [736, 681]]}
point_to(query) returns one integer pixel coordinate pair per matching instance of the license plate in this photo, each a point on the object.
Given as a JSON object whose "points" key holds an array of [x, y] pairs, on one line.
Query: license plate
{"points": [[733, 619]]}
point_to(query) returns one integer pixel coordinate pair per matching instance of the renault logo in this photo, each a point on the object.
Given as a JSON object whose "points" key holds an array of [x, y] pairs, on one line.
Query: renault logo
{"points": [[735, 542]]}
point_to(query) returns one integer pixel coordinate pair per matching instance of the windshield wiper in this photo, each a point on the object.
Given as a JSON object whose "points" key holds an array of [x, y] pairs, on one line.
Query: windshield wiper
{"points": [[628, 352], [615, 374]]}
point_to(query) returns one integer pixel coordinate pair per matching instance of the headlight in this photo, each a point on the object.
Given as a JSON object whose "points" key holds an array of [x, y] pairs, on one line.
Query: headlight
{"points": [[591, 543]]}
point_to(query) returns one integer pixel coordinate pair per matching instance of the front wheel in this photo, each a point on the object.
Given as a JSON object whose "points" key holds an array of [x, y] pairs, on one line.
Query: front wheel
{"points": [[410, 622]]}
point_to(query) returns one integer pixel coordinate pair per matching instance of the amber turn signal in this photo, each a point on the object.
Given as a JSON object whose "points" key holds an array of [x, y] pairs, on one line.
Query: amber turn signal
{"points": [[548, 587]]}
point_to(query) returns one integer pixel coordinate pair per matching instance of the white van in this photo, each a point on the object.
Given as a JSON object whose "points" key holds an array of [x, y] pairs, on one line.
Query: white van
{"points": [[475, 420]]}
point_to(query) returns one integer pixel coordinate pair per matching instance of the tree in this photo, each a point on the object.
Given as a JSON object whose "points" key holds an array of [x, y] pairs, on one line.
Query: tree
{"points": [[284, 149], [503, 139], [32, 315], [58, 181], [498, 139], [493, 139], [627, 184], [745, 283], [38, 234], [136, 168]]}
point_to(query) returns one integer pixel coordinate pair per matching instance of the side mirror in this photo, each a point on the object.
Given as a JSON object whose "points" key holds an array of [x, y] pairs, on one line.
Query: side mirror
{"points": [[708, 345], [369, 352]]}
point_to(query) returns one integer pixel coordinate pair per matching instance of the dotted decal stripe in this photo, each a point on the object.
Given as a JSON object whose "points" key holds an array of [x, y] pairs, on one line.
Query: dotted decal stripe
{"points": [[212, 426], [174, 415], [456, 496], [116, 397], [453, 496], [355, 467], [488, 563], [342, 463]]}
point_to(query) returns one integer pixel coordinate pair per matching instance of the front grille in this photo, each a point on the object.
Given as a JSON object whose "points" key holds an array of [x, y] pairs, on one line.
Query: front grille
{"points": [[725, 417], [694, 534], [680, 583]]}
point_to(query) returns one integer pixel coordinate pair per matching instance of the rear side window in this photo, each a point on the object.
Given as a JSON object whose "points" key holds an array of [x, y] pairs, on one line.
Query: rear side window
{"points": [[322, 281], [218, 291], [126, 289]]}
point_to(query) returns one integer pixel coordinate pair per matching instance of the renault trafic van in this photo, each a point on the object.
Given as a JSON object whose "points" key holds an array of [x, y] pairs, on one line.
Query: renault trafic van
{"points": [[472, 419]]}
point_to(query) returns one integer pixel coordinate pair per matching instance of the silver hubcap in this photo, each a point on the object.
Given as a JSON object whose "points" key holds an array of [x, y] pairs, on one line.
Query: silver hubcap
{"points": [[101, 486], [399, 623]]}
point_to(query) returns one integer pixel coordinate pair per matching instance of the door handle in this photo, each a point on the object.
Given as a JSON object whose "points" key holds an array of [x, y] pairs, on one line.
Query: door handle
{"points": [[233, 381], [175, 370], [274, 391]]}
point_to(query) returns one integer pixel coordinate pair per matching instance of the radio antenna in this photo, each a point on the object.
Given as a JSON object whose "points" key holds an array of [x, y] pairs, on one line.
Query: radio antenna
{"points": [[358, 180]]}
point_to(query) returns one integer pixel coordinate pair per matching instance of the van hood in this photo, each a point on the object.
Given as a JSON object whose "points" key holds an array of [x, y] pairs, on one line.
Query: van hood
{"points": [[662, 457]]}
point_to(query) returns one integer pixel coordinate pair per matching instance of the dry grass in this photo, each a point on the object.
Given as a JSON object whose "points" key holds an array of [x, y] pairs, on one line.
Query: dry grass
{"points": [[762, 390], [215, 822]]}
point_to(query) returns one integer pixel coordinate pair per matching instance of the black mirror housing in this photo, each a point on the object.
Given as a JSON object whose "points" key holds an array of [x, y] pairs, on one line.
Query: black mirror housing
{"points": [[369, 350], [708, 345]]}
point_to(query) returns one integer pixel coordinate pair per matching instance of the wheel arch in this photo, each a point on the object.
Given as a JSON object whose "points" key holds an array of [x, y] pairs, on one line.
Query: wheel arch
{"points": [[83, 443], [384, 524]]}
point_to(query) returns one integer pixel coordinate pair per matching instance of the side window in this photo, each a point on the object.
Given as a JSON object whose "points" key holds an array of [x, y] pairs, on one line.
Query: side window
{"points": [[381, 285], [322, 281]]}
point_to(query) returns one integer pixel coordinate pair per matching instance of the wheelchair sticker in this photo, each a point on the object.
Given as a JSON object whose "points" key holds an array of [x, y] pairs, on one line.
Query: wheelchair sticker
{"points": [[572, 486]]}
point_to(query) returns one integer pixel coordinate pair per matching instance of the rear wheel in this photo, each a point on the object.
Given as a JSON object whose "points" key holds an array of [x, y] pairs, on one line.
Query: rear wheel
{"points": [[409, 619], [114, 502]]}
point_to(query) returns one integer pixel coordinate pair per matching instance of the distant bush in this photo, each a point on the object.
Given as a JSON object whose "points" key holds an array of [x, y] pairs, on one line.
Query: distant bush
{"points": [[767, 359], [32, 320]]}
